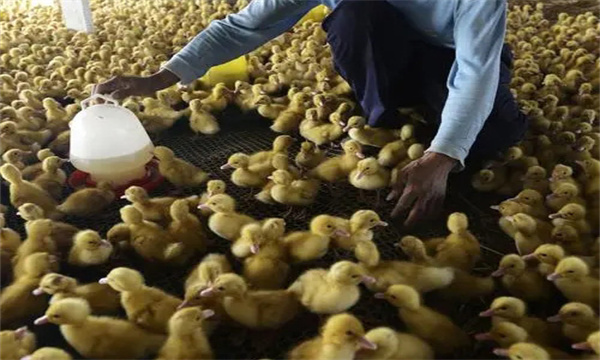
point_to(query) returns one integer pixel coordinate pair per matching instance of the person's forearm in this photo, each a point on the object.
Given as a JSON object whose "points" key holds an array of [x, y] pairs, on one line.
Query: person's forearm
{"points": [[162, 79]]}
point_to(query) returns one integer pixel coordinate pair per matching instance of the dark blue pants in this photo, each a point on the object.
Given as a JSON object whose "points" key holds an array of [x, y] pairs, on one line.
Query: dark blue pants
{"points": [[388, 65]]}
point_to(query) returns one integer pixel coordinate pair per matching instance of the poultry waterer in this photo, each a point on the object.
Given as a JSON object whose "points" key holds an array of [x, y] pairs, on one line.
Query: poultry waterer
{"points": [[108, 143]]}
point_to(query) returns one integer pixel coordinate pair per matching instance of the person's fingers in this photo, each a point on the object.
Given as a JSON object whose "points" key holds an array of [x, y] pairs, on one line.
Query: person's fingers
{"points": [[119, 94], [418, 212], [406, 200], [111, 85]]}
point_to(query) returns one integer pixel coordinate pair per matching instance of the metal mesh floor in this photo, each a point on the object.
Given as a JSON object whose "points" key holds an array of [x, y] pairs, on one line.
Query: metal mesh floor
{"points": [[249, 134]]}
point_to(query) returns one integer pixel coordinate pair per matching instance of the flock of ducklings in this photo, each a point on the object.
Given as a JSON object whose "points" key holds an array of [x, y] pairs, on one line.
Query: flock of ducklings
{"points": [[292, 83]]}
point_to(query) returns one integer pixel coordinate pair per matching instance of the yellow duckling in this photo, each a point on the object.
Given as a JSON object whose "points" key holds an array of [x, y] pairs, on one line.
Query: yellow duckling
{"points": [[361, 226], [574, 215], [560, 174], [201, 120], [266, 108], [591, 344], [263, 309], [414, 152], [100, 337], [339, 167], [17, 344], [57, 117], [88, 202], [179, 172], [591, 168], [394, 345], [309, 156], [579, 321], [341, 337], [319, 132], [89, 249], [534, 200], [185, 227], [23, 191], [369, 175], [10, 240], [521, 281], [572, 278], [288, 120], [225, 221], [461, 248], [358, 130], [49, 353], [52, 179], [262, 161], [526, 237], [435, 328], [536, 178], [153, 209], [562, 195], [487, 180], [187, 339], [314, 243], [548, 255], [147, 307], [523, 351], [568, 238], [38, 240], [243, 176], [330, 291], [288, 191], [61, 234]]}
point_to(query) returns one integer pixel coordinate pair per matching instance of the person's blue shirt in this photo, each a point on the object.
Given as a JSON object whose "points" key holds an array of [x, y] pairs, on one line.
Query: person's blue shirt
{"points": [[475, 28]]}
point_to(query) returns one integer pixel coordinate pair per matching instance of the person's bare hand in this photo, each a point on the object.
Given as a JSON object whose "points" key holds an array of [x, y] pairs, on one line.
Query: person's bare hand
{"points": [[422, 187], [121, 87]]}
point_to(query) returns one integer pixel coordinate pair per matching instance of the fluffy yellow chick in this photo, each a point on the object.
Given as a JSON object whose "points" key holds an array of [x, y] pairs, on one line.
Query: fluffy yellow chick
{"points": [[548, 255], [394, 345], [414, 152], [88, 202], [561, 174], [185, 227], [147, 307], [435, 328], [16, 300], [246, 243], [52, 179], [49, 353], [16, 344], [153, 209], [23, 191], [536, 178], [461, 248], [201, 120], [288, 191], [309, 156], [179, 172], [591, 344], [526, 237], [341, 337], [358, 130], [225, 221], [100, 337], [504, 334], [572, 278], [213, 187], [361, 226], [38, 240], [579, 321], [330, 291], [187, 339], [339, 167], [562, 195], [89, 249], [488, 179], [534, 200], [218, 99], [242, 176], [10, 240], [289, 119], [101, 298], [314, 243], [262, 162], [369, 175], [264, 309], [574, 215], [591, 168], [520, 280], [568, 238]]}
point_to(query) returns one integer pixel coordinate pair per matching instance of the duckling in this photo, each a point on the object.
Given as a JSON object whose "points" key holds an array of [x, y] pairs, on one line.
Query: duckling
{"points": [[487, 180], [246, 244], [591, 168], [225, 221], [10, 241], [314, 243], [89, 249], [524, 351], [590, 344], [341, 336], [574, 215], [262, 161], [392, 153], [526, 237], [147, 307], [568, 238], [309, 156], [548, 255], [521, 281], [579, 321], [369, 175], [201, 120], [179, 172], [435, 328], [159, 116], [339, 167], [267, 267], [561, 174], [514, 310], [16, 344], [102, 298], [288, 191], [100, 337], [536, 178], [53, 179], [15, 157], [504, 334], [320, 132], [187, 339], [562, 195], [358, 130], [266, 108], [265, 309], [150, 240], [572, 278], [152, 209], [414, 152], [394, 345], [330, 291], [49, 353], [23, 191], [534, 200], [509, 208], [243, 176], [37, 240], [61, 144], [203, 276], [461, 248], [361, 224], [16, 300], [185, 227], [61, 233], [88, 202], [289, 119]]}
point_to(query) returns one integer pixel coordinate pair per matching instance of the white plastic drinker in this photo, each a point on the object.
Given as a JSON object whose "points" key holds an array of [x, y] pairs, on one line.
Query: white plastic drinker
{"points": [[109, 142]]}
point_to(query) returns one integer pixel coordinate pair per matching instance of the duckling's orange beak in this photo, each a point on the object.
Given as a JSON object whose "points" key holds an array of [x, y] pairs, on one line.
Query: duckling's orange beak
{"points": [[342, 233], [582, 346], [105, 243], [381, 223], [487, 313], [553, 276], [528, 257], [41, 320], [555, 318], [254, 248], [184, 303], [364, 343], [550, 196], [368, 279], [360, 175], [124, 197], [360, 155], [104, 280], [226, 167], [203, 207], [483, 336], [501, 352], [498, 272], [209, 291], [38, 292], [554, 216], [346, 128]]}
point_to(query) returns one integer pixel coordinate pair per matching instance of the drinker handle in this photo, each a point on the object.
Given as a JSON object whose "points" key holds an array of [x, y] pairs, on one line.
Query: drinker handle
{"points": [[106, 98]]}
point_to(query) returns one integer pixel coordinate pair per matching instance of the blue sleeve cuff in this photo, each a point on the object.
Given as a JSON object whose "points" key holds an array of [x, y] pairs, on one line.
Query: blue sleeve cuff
{"points": [[450, 149], [184, 71]]}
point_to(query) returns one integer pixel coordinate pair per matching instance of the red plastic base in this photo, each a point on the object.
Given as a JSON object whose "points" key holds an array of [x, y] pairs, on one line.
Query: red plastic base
{"points": [[149, 182]]}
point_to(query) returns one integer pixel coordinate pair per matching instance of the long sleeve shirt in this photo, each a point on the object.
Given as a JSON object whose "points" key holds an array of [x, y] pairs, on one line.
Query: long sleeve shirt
{"points": [[474, 28]]}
